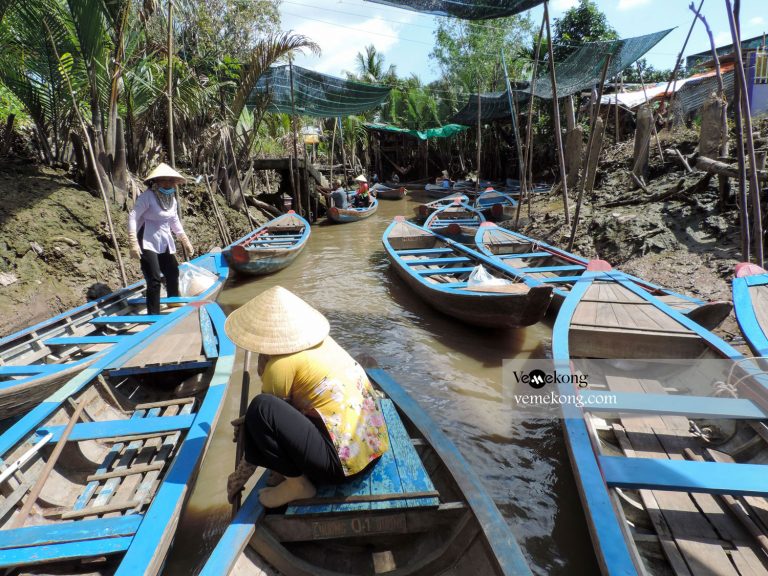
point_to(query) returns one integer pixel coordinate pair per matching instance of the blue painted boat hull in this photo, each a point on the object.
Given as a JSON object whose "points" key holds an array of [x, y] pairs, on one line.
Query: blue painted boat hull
{"points": [[347, 215]]}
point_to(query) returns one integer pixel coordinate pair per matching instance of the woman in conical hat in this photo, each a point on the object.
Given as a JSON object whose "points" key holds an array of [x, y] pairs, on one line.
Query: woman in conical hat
{"points": [[362, 198], [150, 223], [316, 420]]}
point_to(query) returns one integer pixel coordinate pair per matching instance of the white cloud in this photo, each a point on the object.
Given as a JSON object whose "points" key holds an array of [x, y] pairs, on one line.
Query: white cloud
{"points": [[563, 5], [757, 20], [631, 4]]}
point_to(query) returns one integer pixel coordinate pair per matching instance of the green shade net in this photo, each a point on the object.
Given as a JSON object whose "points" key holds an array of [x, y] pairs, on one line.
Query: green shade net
{"points": [[442, 132], [315, 94], [583, 68], [464, 9], [493, 106]]}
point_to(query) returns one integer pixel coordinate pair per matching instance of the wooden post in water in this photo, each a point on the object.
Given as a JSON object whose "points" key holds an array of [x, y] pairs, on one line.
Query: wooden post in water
{"points": [[343, 156], [171, 151], [556, 116], [528, 159], [746, 128], [333, 145]]}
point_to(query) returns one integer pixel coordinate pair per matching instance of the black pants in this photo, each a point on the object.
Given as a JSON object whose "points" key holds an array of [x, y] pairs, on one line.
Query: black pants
{"points": [[279, 437], [154, 266]]}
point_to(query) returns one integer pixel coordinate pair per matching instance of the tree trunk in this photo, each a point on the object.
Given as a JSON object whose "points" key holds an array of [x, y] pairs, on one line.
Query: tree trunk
{"points": [[120, 167], [574, 153], [642, 142], [82, 166]]}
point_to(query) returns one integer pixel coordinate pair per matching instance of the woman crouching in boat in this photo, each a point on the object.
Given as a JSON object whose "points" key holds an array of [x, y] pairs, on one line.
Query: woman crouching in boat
{"points": [[316, 420], [150, 223], [362, 198]]}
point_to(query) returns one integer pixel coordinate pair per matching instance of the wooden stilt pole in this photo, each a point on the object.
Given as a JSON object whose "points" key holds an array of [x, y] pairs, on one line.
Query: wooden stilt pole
{"points": [[171, 150], [556, 116], [673, 81], [343, 156], [479, 143], [513, 114], [528, 160], [592, 154], [228, 142], [333, 145], [746, 244], [746, 129], [648, 102], [294, 179]]}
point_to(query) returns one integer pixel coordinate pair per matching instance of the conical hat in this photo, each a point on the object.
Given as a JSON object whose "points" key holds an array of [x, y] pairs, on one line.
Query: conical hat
{"points": [[162, 170], [276, 322], [361, 178]]}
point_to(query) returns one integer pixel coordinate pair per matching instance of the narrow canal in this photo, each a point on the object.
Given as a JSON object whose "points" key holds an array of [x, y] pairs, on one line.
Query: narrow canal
{"points": [[453, 370]]}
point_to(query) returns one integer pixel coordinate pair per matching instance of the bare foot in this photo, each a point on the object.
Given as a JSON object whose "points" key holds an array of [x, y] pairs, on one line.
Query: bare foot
{"points": [[289, 490]]}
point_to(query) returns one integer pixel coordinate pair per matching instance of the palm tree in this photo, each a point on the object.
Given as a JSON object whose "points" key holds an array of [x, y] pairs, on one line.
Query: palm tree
{"points": [[370, 67]]}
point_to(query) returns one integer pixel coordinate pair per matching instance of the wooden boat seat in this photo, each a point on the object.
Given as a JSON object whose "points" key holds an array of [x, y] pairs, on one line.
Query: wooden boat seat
{"points": [[81, 340], [416, 251], [397, 480], [117, 428], [661, 404], [167, 300], [69, 540], [543, 269], [437, 271], [29, 370], [525, 255], [430, 261], [194, 365], [131, 319], [685, 475]]}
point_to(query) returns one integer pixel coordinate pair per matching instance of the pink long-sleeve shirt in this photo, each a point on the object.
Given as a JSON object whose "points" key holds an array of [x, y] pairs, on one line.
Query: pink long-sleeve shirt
{"points": [[158, 223]]}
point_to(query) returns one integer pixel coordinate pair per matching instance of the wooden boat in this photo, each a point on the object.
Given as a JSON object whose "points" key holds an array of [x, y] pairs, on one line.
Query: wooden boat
{"points": [[542, 263], [34, 362], [424, 210], [95, 476], [458, 220], [344, 215], [437, 190], [415, 185], [271, 247], [438, 269], [448, 525], [386, 193], [672, 478], [496, 206], [750, 303]]}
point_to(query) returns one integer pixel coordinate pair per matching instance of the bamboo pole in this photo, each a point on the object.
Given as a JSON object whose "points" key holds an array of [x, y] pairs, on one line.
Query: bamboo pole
{"points": [[673, 81], [240, 445], [92, 158], [556, 116], [591, 155], [746, 244], [171, 151], [333, 144], [746, 128], [49, 464], [529, 130], [513, 114], [343, 156], [228, 142], [295, 182]]}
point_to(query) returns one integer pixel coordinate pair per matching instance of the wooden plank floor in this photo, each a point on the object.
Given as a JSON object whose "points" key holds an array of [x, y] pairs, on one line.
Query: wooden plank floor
{"points": [[183, 343], [697, 532]]}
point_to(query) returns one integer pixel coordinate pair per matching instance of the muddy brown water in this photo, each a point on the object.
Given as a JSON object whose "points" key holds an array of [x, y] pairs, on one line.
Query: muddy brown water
{"points": [[454, 372]]}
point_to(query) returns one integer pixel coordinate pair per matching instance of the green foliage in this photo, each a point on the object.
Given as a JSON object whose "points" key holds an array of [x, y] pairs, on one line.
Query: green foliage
{"points": [[370, 68], [468, 52], [580, 24], [9, 104], [649, 74]]}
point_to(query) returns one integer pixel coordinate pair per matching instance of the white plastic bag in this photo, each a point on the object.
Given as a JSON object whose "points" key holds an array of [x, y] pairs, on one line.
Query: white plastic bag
{"points": [[480, 277], [194, 280]]}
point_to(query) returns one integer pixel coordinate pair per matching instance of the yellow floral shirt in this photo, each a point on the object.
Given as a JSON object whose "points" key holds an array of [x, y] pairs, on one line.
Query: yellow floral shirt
{"points": [[326, 382]]}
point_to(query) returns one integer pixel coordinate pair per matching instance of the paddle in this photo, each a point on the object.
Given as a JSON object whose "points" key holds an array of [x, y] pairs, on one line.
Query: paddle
{"points": [[244, 392]]}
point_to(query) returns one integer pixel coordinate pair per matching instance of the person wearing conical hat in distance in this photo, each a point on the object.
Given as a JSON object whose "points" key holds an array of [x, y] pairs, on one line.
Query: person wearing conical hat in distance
{"points": [[362, 198], [444, 180], [316, 420], [150, 224]]}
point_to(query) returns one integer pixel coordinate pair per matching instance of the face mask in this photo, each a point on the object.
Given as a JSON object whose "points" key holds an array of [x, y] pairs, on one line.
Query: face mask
{"points": [[166, 191]]}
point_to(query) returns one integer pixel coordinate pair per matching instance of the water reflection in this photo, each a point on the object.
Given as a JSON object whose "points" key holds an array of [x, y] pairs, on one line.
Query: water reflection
{"points": [[451, 369]]}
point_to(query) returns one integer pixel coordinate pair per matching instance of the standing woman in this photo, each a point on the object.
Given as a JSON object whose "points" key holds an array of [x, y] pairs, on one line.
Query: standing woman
{"points": [[150, 223]]}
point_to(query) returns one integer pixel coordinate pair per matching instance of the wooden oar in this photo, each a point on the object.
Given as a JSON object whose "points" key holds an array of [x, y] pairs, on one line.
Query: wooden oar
{"points": [[244, 392], [38, 487]]}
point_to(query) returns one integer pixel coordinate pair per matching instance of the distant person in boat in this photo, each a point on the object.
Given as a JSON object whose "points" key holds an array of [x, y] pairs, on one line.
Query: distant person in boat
{"points": [[150, 223], [395, 178], [362, 197], [339, 196], [316, 419], [444, 180]]}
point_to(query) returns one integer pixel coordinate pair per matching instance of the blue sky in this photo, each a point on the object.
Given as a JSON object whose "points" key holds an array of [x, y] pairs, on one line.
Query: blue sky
{"points": [[343, 28]]}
